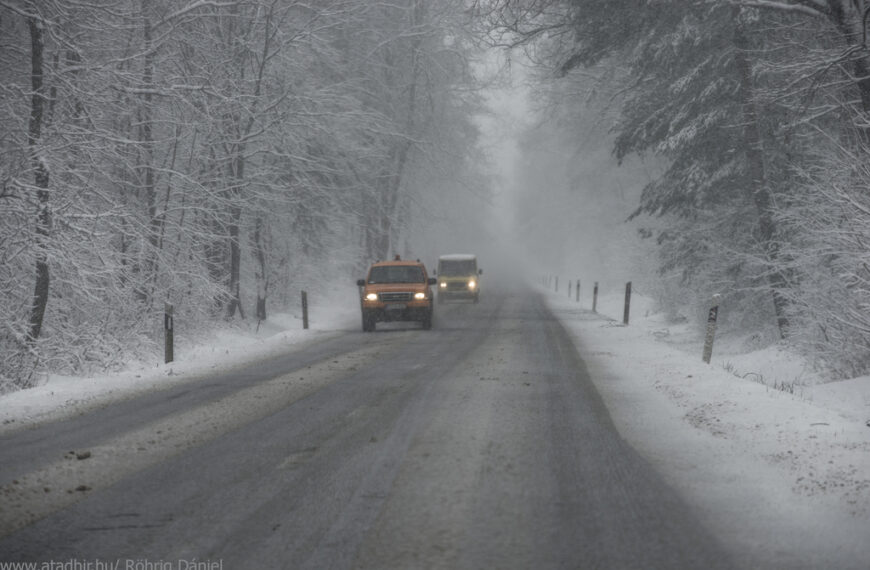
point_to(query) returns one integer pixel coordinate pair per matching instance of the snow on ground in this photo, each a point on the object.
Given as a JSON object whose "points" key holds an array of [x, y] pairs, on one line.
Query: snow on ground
{"points": [[240, 342], [776, 458]]}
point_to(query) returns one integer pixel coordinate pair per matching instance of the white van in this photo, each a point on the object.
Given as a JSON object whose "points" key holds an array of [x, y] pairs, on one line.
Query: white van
{"points": [[458, 277]]}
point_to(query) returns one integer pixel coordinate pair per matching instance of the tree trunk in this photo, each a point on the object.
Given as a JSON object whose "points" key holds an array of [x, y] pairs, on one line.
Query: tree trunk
{"points": [[145, 289], [369, 209], [235, 263], [215, 251], [391, 199], [237, 165], [387, 217], [850, 21], [151, 268], [237, 175], [759, 189], [261, 274], [41, 178]]}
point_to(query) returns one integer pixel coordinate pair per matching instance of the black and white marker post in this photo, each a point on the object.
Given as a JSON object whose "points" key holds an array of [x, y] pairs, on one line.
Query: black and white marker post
{"points": [[168, 333], [712, 315]]}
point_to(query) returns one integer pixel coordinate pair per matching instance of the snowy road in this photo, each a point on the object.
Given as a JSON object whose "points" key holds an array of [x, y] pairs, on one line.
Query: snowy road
{"points": [[479, 444]]}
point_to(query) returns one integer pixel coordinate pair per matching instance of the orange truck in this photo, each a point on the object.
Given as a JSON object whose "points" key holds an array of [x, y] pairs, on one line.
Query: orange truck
{"points": [[397, 290]]}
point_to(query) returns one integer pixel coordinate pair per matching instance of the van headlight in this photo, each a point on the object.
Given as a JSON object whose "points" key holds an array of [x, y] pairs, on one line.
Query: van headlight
{"points": [[419, 295], [443, 284], [372, 297], [472, 284]]}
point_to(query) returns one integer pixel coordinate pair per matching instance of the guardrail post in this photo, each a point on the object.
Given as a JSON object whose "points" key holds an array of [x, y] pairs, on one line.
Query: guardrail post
{"points": [[304, 310], [595, 296], [627, 303], [712, 315], [168, 333]]}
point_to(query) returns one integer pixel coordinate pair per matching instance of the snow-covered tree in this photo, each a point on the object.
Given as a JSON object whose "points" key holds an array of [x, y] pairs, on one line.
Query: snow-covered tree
{"points": [[211, 155]]}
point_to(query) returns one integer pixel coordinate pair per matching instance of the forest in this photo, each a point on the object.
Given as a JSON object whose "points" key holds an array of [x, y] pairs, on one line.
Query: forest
{"points": [[214, 155], [752, 118], [218, 155]]}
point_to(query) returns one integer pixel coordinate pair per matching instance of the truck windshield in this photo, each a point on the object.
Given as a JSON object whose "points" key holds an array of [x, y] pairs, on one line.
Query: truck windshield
{"points": [[396, 274], [449, 267]]}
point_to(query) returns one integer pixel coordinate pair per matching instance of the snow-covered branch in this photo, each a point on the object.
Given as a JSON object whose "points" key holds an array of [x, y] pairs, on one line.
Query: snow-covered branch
{"points": [[812, 8]]}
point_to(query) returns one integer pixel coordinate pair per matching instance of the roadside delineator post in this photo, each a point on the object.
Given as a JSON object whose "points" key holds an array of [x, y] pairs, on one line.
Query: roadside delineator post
{"points": [[569, 288], [595, 296], [304, 310], [577, 299], [712, 315], [168, 333], [627, 303]]}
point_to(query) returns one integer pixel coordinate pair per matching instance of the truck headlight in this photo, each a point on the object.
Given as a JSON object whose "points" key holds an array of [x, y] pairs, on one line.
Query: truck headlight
{"points": [[372, 297], [419, 295], [472, 284]]}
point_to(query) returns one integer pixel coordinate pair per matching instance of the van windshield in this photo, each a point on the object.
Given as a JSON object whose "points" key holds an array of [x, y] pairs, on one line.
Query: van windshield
{"points": [[396, 274], [449, 267]]}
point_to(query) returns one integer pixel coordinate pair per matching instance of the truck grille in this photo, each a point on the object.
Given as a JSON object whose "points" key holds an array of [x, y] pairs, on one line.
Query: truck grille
{"points": [[457, 286], [395, 297]]}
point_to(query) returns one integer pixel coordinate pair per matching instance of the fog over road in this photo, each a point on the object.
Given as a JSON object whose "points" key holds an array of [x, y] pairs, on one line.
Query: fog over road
{"points": [[479, 444]]}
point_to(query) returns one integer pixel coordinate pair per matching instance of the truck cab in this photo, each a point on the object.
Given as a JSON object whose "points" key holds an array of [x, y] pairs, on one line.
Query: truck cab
{"points": [[397, 290]]}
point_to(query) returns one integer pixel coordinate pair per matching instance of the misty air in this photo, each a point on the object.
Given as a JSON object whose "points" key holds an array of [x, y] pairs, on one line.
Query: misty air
{"points": [[413, 284]]}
